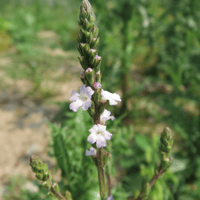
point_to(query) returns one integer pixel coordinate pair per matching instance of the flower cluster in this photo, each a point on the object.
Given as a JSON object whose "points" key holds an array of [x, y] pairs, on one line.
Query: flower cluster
{"points": [[98, 132]]}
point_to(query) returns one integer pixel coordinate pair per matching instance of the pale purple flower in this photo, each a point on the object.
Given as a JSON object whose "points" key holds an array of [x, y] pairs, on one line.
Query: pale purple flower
{"points": [[93, 50], [112, 98], [91, 152], [99, 135], [106, 116], [98, 57], [110, 197], [97, 85], [89, 70], [81, 100]]}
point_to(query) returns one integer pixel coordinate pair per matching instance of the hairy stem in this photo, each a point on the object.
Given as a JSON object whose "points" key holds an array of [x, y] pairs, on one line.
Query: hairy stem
{"points": [[101, 174]]}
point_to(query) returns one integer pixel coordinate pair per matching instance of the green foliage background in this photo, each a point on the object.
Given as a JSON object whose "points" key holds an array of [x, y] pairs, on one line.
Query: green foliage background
{"points": [[156, 45]]}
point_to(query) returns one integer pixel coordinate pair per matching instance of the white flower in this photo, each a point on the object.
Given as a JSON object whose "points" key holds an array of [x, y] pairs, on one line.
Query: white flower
{"points": [[106, 116], [113, 98], [110, 197], [91, 152], [81, 100], [99, 135]]}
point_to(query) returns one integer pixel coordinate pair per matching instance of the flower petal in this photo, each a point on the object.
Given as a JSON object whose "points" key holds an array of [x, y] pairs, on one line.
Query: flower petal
{"points": [[110, 197], [89, 92], [75, 105], [112, 118], [101, 142], [101, 128], [92, 138], [83, 99], [107, 135], [82, 89], [112, 102], [91, 152], [74, 95], [86, 105], [93, 129], [96, 128], [113, 98]]}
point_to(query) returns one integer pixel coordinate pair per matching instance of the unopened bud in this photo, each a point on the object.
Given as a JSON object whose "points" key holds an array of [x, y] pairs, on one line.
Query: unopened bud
{"points": [[89, 73], [98, 76], [55, 187], [97, 85]]}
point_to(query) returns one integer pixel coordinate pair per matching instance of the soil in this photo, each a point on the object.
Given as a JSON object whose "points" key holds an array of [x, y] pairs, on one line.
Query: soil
{"points": [[23, 128]]}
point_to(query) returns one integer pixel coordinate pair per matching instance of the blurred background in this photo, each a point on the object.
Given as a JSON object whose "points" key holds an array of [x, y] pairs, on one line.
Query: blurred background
{"points": [[151, 57]]}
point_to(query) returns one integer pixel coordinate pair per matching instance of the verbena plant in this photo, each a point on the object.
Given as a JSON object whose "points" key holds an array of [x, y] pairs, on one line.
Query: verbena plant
{"points": [[70, 143]]}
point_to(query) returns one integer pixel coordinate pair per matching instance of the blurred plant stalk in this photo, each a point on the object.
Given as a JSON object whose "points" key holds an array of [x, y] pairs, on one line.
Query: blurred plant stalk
{"points": [[165, 163]]}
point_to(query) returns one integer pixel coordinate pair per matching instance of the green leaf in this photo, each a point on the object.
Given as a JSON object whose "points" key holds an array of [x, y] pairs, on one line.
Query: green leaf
{"points": [[142, 142]]}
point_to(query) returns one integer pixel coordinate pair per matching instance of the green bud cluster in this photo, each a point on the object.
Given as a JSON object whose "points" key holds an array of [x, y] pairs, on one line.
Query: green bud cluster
{"points": [[43, 174], [88, 39], [40, 168], [166, 148]]}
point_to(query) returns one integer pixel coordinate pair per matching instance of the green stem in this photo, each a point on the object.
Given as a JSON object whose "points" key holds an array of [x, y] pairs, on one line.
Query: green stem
{"points": [[101, 174], [108, 178], [108, 169]]}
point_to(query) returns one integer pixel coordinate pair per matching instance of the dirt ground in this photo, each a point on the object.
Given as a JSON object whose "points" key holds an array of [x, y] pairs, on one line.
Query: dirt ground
{"points": [[23, 127]]}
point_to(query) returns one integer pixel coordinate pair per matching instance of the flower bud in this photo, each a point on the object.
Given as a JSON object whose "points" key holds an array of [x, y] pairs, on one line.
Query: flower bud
{"points": [[98, 77], [86, 10], [46, 176], [89, 73], [87, 25], [39, 176], [88, 36], [55, 188], [84, 48], [92, 54], [97, 62], [94, 42], [166, 141], [93, 51], [89, 70], [97, 93], [166, 148], [98, 58], [47, 185], [97, 85]]}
